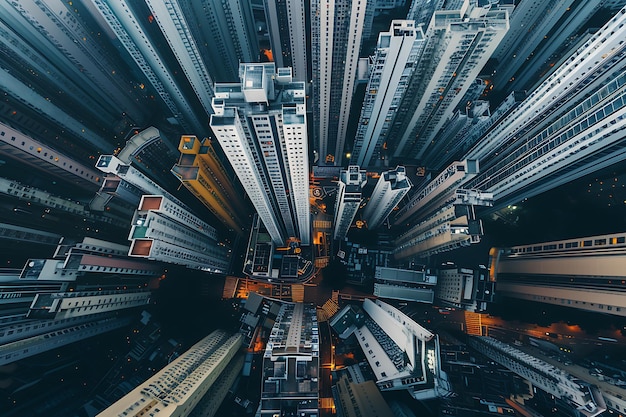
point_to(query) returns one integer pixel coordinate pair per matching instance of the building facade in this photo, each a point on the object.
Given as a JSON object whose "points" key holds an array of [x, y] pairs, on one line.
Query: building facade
{"points": [[585, 398], [568, 127], [391, 68], [178, 388], [390, 188], [440, 215], [458, 44], [291, 364], [287, 26], [469, 289], [349, 197], [202, 172], [260, 124], [401, 354], [336, 33], [582, 273], [165, 231], [86, 288]]}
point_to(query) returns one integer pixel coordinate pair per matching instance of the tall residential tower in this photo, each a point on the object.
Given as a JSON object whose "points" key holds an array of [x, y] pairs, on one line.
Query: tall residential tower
{"points": [[336, 32], [458, 44], [391, 187], [349, 197], [260, 124]]}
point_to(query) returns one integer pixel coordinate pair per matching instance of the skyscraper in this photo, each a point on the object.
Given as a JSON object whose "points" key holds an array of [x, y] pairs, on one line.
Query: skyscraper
{"points": [[260, 124], [585, 398], [542, 34], [402, 354], [458, 44], [178, 388], [127, 21], [390, 188], [440, 216], [392, 67], [583, 273], [569, 126], [287, 23], [225, 32], [86, 288], [77, 76], [336, 32], [291, 363], [163, 230], [77, 91], [201, 171], [349, 197]]}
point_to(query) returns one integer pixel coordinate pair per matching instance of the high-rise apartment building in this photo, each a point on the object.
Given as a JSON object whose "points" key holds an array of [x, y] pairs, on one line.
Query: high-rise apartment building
{"points": [[469, 289], [583, 273], [37, 155], [260, 123], [585, 398], [179, 387], [225, 32], [451, 141], [291, 363], [122, 175], [349, 197], [458, 44], [440, 216], [151, 152], [336, 33], [139, 38], [390, 188], [542, 33], [402, 354], [163, 230], [466, 127], [62, 83], [202, 172], [87, 288], [391, 68], [288, 22], [404, 284], [569, 126], [355, 395]]}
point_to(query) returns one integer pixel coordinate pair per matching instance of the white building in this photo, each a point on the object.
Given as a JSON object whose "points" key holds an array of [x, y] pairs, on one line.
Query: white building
{"points": [[162, 230], [558, 272], [458, 44], [569, 126], [169, 16], [124, 21], [260, 124], [402, 354], [176, 389], [351, 182], [224, 32], [336, 32], [440, 216], [87, 288], [291, 363], [465, 288], [37, 155], [391, 187], [524, 56], [287, 27], [404, 284], [585, 398], [391, 69]]}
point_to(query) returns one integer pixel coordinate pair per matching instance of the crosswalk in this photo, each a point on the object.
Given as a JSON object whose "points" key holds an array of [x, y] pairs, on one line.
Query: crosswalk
{"points": [[322, 224], [473, 323]]}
